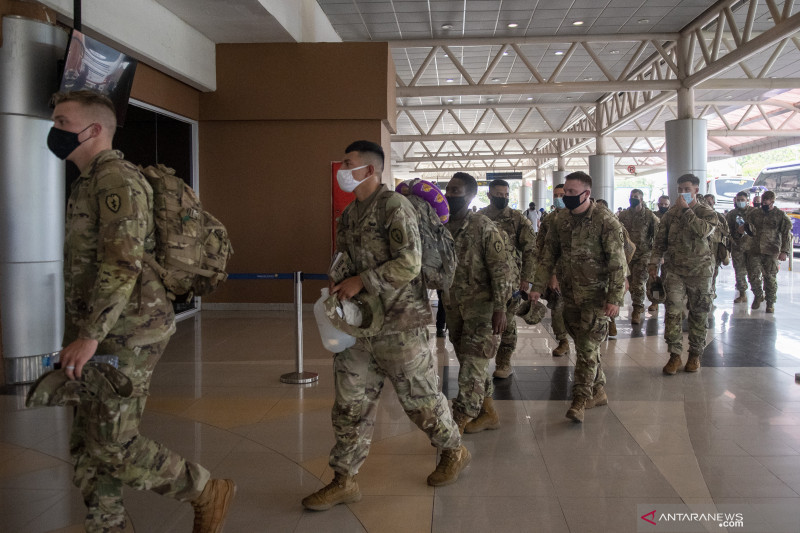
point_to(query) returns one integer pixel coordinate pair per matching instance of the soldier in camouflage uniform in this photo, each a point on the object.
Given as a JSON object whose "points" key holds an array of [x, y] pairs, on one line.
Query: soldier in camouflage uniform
{"points": [[723, 235], [641, 224], [740, 244], [523, 238], [379, 233], [663, 206], [588, 241], [116, 304], [557, 307], [771, 230], [684, 239], [476, 304]]}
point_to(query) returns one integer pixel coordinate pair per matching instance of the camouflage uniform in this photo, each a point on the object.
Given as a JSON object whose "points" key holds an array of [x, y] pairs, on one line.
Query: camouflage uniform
{"points": [[557, 312], [387, 256], [740, 249], [684, 239], [724, 238], [641, 227], [481, 286], [590, 250], [772, 235], [523, 238], [114, 297]]}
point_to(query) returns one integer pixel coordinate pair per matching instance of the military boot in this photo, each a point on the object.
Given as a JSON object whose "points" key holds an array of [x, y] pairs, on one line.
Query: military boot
{"points": [[451, 463], [562, 348], [612, 328], [211, 507], [342, 489], [741, 299], [770, 307], [757, 302], [461, 419], [503, 366], [636, 317], [598, 398], [673, 365], [487, 419], [653, 308], [693, 363], [575, 412]]}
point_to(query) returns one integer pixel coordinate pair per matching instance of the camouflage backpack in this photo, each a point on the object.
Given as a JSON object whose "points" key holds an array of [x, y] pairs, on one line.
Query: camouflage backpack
{"points": [[438, 246], [192, 246]]}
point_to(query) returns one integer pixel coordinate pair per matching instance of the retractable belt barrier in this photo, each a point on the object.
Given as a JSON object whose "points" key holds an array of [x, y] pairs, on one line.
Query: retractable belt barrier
{"points": [[299, 376]]}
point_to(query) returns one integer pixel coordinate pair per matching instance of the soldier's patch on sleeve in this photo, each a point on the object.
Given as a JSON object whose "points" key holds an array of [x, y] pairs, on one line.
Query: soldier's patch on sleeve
{"points": [[498, 246], [397, 235], [115, 203]]}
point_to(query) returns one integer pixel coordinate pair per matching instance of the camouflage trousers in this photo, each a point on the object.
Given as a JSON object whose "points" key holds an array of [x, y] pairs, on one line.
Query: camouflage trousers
{"points": [[740, 270], [474, 345], [588, 327], [637, 279], [696, 290], [557, 317], [763, 271], [508, 340], [109, 452], [359, 374]]}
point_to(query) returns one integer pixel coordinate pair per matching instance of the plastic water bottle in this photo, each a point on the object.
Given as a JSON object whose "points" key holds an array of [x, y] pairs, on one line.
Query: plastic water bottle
{"points": [[739, 220], [333, 339]]}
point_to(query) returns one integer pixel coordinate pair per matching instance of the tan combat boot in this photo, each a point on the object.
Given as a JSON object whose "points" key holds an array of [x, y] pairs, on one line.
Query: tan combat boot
{"points": [[503, 366], [461, 419], [653, 308], [562, 348], [673, 364], [693, 363], [757, 302], [575, 412], [488, 419], [342, 489], [770, 307], [612, 328], [741, 299], [211, 507], [598, 398], [636, 317], [451, 463]]}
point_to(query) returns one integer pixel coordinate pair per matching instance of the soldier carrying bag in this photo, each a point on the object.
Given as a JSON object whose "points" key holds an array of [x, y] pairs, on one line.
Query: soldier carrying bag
{"points": [[192, 246]]}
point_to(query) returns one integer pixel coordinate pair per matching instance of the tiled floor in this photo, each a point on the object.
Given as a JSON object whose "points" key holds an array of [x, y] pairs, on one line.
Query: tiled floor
{"points": [[725, 439]]}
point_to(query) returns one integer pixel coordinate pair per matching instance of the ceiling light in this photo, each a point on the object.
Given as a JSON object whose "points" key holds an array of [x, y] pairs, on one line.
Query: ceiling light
{"points": [[447, 26], [490, 100], [449, 100], [449, 80], [495, 79], [568, 97], [643, 21], [559, 53], [578, 23], [587, 79], [513, 25], [530, 98], [614, 52], [505, 53]]}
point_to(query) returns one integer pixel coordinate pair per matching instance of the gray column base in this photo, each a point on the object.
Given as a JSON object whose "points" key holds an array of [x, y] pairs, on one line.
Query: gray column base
{"points": [[28, 369]]}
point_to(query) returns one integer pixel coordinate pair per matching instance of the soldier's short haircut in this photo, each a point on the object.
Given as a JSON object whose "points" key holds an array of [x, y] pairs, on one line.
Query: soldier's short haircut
{"points": [[744, 194], [99, 105], [498, 183], [691, 178], [638, 191], [583, 177], [663, 197], [709, 195], [602, 202], [367, 147], [470, 183], [768, 195], [559, 186]]}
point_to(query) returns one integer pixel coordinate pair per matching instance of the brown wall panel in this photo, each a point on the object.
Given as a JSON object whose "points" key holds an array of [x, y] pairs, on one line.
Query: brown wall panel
{"points": [[301, 81], [269, 182], [158, 89]]}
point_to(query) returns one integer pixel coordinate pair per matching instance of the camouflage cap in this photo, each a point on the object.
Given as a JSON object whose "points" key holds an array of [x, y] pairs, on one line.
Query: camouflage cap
{"points": [[372, 314], [656, 292], [532, 313], [97, 380]]}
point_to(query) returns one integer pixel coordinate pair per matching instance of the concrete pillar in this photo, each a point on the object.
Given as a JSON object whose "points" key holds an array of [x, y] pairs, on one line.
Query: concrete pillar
{"points": [[601, 169], [686, 152], [559, 174], [543, 199], [525, 195]]}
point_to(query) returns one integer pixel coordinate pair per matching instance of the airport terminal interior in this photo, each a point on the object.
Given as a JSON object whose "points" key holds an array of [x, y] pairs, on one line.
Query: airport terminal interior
{"points": [[726, 438]]}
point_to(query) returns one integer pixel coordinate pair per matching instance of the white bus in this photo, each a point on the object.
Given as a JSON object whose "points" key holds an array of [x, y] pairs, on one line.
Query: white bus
{"points": [[725, 189]]}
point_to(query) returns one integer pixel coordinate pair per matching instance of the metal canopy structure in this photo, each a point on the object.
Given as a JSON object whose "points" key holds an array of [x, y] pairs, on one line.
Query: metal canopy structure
{"points": [[494, 97]]}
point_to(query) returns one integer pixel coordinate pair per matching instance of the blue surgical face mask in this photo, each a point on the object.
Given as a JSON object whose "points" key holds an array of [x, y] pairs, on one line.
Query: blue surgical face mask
{"points": [[741, 205], [559, 203], [689, 197]]}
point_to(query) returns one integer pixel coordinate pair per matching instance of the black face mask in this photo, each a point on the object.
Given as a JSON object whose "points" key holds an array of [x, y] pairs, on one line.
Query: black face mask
{"points": [[662, 209], [63, 142], [634, 202], [456, 203], [766, 207], [499, 203], [573, 202]]}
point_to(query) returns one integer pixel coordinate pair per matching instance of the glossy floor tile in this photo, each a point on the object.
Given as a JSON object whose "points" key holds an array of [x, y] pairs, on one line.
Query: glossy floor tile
{"points": [[726, 438]]}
